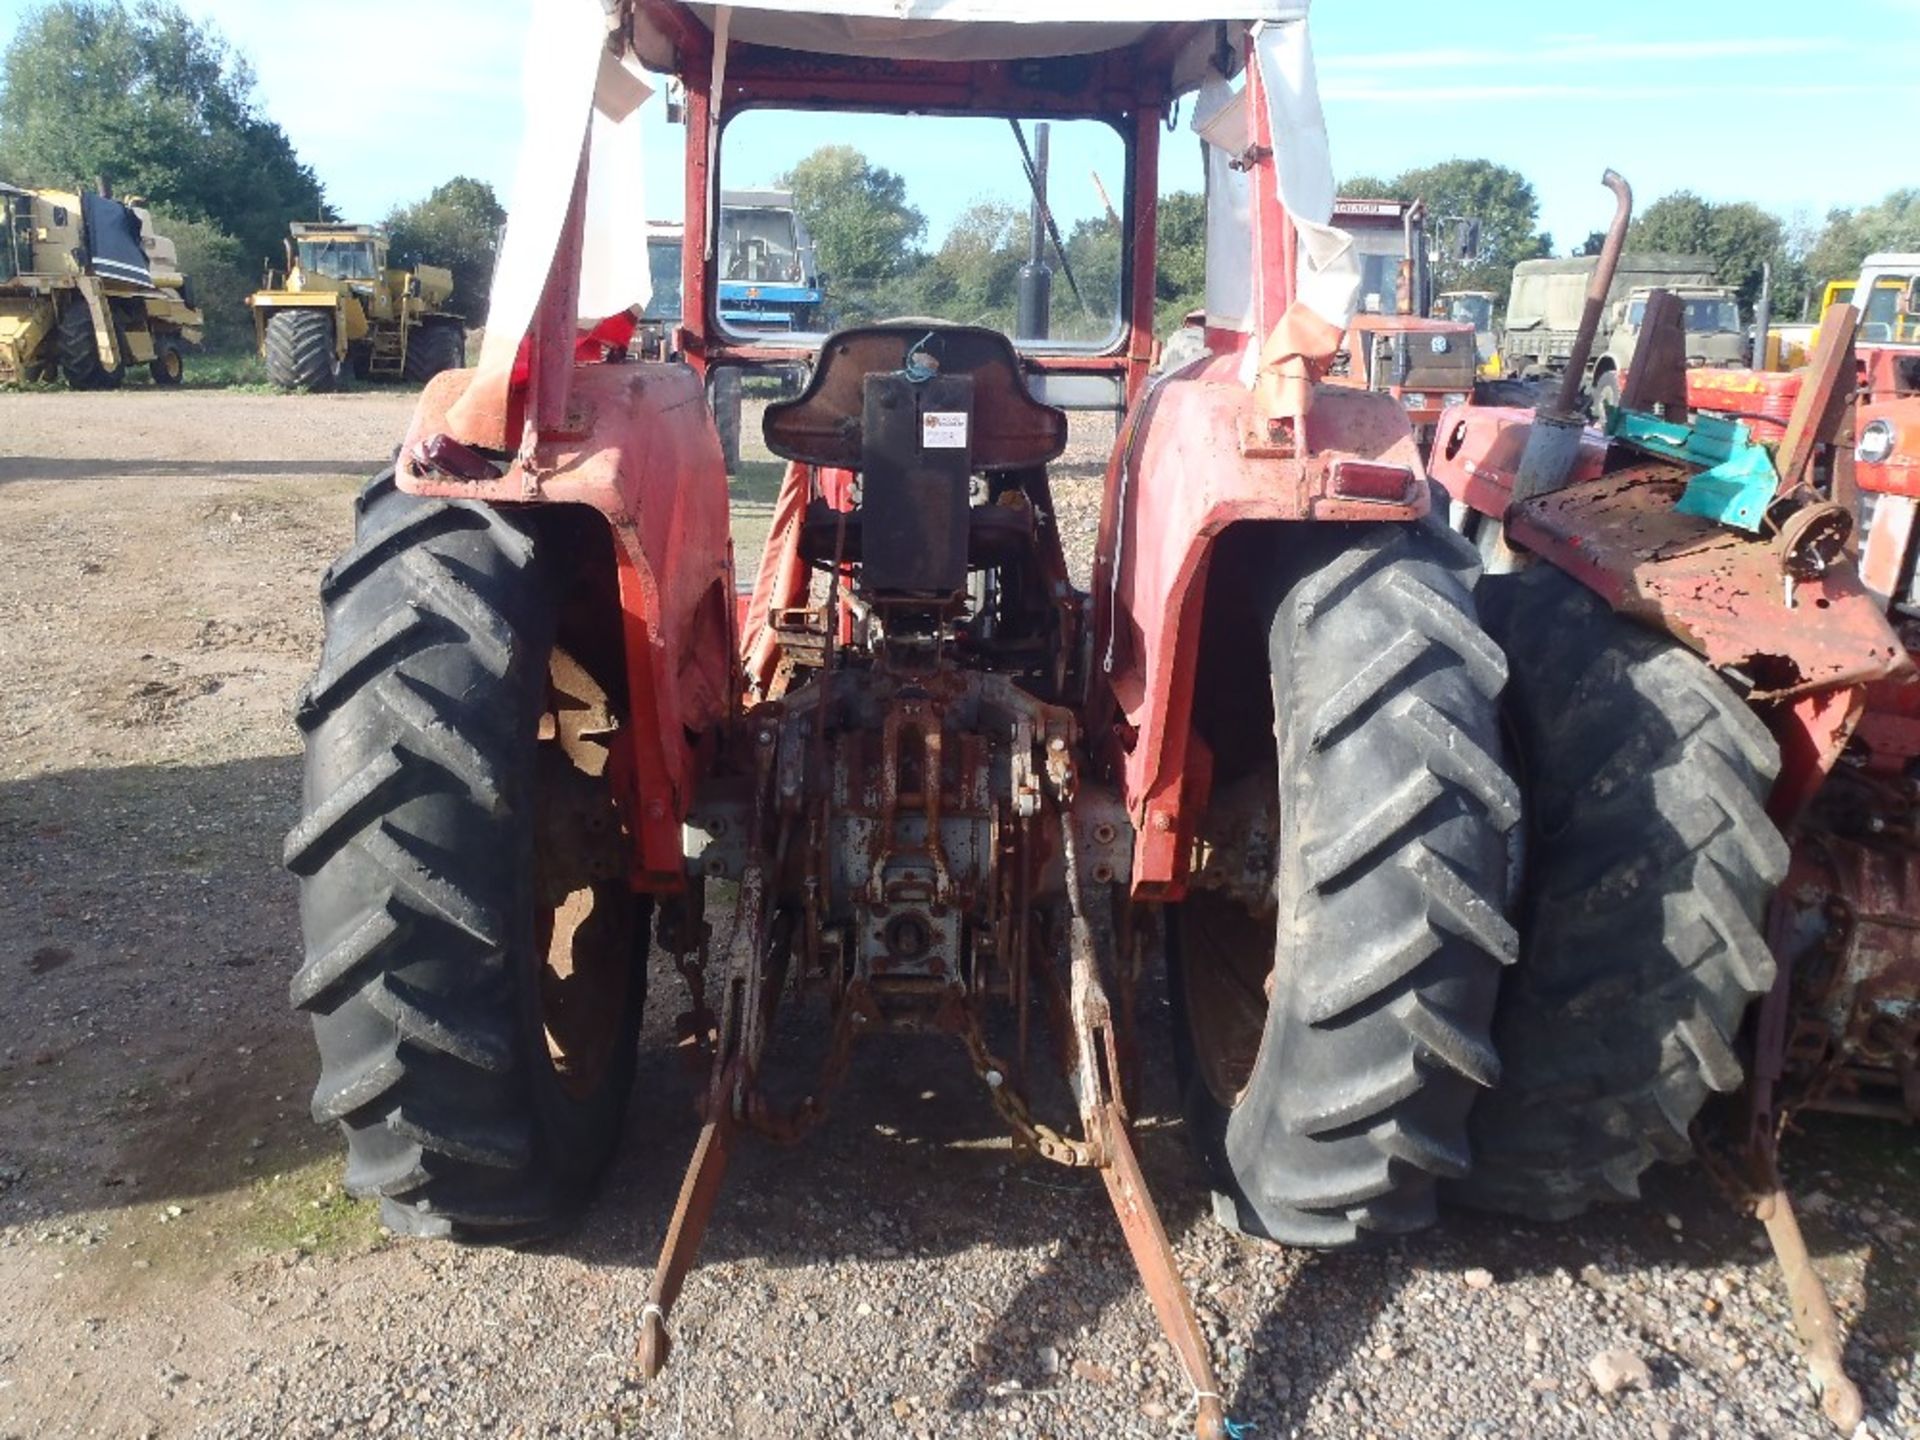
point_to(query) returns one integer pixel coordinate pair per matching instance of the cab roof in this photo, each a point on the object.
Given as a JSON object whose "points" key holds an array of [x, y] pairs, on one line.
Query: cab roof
{"points": [[1178, 37]]}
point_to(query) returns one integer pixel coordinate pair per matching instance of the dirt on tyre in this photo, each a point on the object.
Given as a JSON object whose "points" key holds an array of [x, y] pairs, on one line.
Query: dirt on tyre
{"points": [[474, 964], [300, 350], [80, 363], [1650, 861], [432, 350], [1330, 1043]]}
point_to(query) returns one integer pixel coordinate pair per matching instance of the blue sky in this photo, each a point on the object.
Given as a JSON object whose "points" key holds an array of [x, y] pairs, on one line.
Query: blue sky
{"points": [[1771, 102]]}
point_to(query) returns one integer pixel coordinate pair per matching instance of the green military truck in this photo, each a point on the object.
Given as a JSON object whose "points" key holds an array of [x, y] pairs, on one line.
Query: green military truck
{"points": [[1544, 306]]}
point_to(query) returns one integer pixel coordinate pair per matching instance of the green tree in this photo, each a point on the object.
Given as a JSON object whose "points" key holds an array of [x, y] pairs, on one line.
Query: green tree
{"points": [[1852, 235], [458, 227], [1739, 238], [864, 231], [156, 103], [1094, 251], [220, 275], [1502, 203], [1180, 274], [1367, 187], [973, 276]]}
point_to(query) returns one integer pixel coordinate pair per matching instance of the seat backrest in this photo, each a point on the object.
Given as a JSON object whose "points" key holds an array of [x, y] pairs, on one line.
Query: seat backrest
{"points": [[1011, 430]]}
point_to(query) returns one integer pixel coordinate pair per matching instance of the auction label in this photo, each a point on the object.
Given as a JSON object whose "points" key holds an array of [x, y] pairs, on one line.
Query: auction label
{"points": [[943, 430]]}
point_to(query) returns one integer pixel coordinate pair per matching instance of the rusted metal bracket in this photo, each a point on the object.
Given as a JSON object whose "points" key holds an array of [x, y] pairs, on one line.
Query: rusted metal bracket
{"points": [[698, 1193], [1813, 1316], [1753, 1181], [744, 1015], [1096, 1080]]}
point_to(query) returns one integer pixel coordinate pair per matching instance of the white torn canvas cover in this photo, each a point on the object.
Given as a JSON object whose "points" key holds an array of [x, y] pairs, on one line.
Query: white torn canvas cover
{"points": [[571, 82], [1329, 279], [1328, 282], [975, 29]]}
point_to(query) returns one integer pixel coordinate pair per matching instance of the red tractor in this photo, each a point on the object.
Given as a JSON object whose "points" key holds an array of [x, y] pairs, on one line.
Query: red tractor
{"points": [[1715, 709], [933, 785], [936, 788], [1394, 344]]}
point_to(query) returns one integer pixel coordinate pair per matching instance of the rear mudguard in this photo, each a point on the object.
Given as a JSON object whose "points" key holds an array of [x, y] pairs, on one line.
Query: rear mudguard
{"points": [[1802, 650], [1194, 461], [641, 450]]}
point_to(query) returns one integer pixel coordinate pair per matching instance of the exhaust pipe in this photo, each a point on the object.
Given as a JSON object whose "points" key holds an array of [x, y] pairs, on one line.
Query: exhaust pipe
{"points": [[1553, 444]]}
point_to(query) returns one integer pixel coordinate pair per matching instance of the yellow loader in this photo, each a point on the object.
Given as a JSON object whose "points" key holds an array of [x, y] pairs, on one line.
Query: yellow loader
{"points": [[341, 306]]}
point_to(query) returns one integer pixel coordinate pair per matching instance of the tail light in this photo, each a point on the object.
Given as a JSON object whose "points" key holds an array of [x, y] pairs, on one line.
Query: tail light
{"points": [[1376, 483]]}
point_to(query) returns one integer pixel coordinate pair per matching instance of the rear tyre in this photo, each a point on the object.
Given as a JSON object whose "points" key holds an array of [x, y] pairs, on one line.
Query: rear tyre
{"points": [[169, 365], [80, 363], [1330, 1045], [474, 957], [435, 348], [1650, 862], [300, 354]]}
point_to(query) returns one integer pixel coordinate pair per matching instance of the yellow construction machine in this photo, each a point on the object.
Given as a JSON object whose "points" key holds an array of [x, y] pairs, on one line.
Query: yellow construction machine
{"points": [[88, 288], [341, 306]]}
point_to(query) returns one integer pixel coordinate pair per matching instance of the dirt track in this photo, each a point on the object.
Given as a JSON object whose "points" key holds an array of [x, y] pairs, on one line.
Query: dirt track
{"points": [[176, 1260]]}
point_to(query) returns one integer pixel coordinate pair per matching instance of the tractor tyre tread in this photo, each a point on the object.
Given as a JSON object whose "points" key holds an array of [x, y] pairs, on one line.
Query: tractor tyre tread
{"points": [[1395, 800], [300, 354], [1651, 862], [434, 349], [414, 851], [79, 351]]}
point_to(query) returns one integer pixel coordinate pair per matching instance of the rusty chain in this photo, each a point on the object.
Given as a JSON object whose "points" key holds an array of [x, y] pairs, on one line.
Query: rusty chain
{"points": [[791, 1125], [1012, 1106]]}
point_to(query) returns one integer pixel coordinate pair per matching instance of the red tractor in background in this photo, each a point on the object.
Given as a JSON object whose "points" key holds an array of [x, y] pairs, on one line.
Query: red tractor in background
{"points": [[1714, 708], [1394, 344]]}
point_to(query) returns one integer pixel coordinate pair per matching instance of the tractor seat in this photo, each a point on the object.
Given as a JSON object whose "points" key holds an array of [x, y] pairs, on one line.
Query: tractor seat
{"points": [[1008, 430]]}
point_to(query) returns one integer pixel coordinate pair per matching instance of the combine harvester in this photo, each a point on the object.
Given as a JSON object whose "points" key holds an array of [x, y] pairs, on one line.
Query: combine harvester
{"points": [[87, 289], [949, 794]]}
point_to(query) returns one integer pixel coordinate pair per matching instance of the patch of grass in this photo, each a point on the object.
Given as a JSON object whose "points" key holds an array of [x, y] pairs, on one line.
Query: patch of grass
{"points": [[756, 482], [305, 1209], [751, 491], [243, 370]]}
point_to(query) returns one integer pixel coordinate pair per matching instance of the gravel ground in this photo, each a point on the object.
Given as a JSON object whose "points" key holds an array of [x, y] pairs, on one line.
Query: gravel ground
{"points": [[176, 1259]]}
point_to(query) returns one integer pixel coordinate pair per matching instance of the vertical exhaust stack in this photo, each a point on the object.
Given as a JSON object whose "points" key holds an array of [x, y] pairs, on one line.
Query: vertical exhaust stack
{"points": [[1034, 305], [1554, 441], [1762, 317]]}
